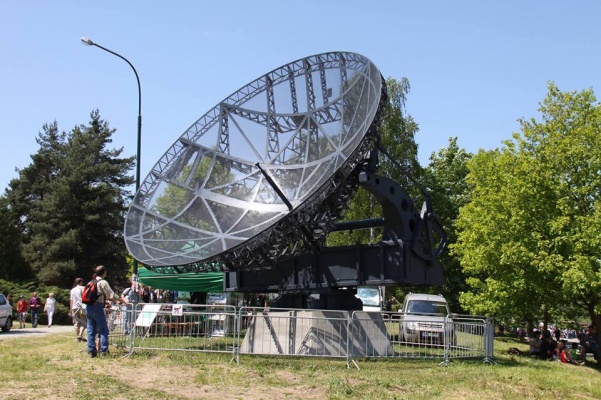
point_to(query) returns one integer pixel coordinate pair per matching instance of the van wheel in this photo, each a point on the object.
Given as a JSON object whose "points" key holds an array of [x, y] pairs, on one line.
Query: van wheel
{"points": [[7, 325]]}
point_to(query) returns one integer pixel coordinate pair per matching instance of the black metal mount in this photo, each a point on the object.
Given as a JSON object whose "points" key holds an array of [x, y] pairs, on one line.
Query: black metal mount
{"points": [[408, 254]]}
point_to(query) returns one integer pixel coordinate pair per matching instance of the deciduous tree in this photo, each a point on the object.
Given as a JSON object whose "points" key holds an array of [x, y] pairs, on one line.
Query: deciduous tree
{"points": [[398, 139], [530, 237], [445, 182]]}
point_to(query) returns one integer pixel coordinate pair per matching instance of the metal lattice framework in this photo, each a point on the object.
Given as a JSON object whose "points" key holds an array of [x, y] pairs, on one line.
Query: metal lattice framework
{"points": [[263, 174]]}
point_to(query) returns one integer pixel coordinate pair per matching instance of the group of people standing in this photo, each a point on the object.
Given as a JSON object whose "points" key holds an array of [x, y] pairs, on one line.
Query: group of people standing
{"points": [[34, 306], [92, 319]]}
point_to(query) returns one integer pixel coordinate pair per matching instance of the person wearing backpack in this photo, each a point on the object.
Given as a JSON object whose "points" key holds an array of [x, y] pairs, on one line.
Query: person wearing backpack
{"points": [[95, 310]]}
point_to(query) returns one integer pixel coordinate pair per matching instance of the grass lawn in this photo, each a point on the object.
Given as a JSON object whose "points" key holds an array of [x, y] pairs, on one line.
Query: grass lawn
{"points": [[53, 366]]}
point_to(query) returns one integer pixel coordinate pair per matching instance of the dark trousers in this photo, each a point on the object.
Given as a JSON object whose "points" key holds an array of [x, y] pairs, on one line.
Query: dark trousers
{"points": [[34, 317]]}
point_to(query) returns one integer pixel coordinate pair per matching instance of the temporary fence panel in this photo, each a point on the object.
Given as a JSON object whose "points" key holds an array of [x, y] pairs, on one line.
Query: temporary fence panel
{"points": [[468, 337], [390, 335], [118, 318], [489, 341], [370, 334], [184, 327], [295, 332], [299, 332], [410, 335]]}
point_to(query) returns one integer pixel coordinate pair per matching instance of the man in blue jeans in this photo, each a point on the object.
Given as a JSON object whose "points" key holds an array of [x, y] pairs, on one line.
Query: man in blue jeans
{"points": [[133, 297], [35, 306], [95, 313]]}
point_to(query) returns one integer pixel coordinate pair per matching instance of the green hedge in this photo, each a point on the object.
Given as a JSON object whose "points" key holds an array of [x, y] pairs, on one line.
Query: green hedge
{"points": [[62, 296]]}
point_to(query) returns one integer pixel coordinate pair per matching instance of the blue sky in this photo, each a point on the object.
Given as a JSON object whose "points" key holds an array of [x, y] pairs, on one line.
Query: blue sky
{"points": [[475, 67]]}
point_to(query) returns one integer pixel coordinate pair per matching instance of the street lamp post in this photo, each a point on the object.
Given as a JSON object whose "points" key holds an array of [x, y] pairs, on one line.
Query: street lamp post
{"points": [[88, 42]]}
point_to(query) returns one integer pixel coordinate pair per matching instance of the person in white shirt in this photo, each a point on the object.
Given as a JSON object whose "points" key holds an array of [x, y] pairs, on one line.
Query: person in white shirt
{"points": [[78, 317], [534, 343], [49, 308]]}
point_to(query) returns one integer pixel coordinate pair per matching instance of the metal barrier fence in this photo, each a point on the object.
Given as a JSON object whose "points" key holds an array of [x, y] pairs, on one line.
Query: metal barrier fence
{"points": [[411, 335], [295, 332], [183, 327], [298, 332], [471, 337]]}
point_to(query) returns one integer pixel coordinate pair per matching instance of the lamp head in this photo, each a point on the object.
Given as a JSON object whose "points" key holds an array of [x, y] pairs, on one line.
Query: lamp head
{"points": [[87, 41]]}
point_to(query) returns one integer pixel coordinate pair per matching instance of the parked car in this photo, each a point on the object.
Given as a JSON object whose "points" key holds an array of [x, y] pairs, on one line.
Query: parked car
{"points": [[6, 314], [423, 319]]}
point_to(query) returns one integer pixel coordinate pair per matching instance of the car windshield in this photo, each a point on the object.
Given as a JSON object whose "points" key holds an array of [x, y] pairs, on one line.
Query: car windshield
{"points": [[216, 298], [427, 307], [369, 296]]}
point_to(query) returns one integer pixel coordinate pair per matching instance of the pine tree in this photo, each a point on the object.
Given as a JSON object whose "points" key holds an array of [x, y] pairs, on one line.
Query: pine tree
{"points": [[12, 264], [71, 203]]}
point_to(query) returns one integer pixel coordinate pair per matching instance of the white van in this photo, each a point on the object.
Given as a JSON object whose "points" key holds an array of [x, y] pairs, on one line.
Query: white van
{"points": [[372, 297], [423, 319]]}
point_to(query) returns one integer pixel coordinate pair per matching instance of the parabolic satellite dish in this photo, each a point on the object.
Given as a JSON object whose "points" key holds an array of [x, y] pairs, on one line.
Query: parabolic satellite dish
{"points": [[264, 172]]}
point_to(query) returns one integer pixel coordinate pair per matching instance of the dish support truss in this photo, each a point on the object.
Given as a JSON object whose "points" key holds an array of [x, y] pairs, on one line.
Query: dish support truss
{"points": [[303, 210]]}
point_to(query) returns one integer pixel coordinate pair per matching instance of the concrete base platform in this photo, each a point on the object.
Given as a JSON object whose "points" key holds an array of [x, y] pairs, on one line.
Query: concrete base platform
{"points": [[318, 333]]}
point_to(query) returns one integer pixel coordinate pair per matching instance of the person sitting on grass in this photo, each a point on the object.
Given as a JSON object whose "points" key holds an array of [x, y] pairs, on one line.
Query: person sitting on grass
{"points": [[564, 353], [548, 347], [576, 353], [534, 342]]}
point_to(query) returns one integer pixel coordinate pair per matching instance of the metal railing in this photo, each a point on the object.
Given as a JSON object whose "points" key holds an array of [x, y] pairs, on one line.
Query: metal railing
{"points": [[300, 333]]}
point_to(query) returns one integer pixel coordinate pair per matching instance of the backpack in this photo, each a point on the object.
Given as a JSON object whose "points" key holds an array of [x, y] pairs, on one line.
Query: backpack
{"points": [[90, 292]]}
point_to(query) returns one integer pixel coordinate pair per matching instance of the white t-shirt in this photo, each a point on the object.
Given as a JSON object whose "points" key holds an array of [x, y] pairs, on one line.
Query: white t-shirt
{"points": [[50, 302], [76, 293]]}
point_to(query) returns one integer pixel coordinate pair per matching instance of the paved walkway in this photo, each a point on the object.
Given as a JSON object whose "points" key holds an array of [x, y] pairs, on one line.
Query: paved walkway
{"points": [[40, 330]]}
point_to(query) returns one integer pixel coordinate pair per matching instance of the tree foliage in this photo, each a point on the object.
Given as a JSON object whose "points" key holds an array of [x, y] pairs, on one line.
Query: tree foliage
{"points": [[445, 182], [70, 203], [529, 239], [398, 139], [12, 264]]}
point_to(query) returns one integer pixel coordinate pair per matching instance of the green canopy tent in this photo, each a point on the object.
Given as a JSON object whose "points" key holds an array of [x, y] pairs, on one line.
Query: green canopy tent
{"points": [[205, 282]]}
